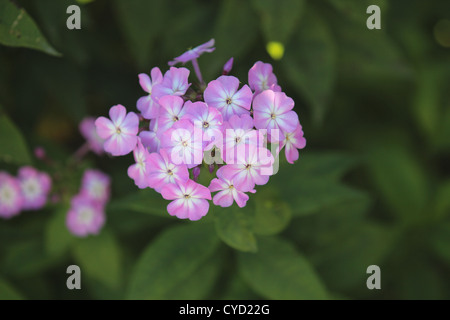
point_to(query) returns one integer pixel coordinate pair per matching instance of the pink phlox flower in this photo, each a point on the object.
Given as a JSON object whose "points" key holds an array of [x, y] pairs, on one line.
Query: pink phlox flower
{"points": [[292, 142], [120, 132], [194, 53], [225, 95], [175, 83], [228, 191], [161, 171], [184, 143], [138, 171], [171, 111], [190, 200], [208, 119], [35, 186], [146, 105], [88, 131], [150, 138], [273, 110], [261, 77], [85, 216], [96, 185], [11, 199], [252, 167]]}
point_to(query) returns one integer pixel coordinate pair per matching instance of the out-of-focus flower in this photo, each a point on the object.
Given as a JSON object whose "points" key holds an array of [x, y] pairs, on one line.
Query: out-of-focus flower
{"points": [[194, 53], [146, 105], [88, 131], [150, 138], [85, 216], [11, 199], [35, 186], [96, 185], [189, 200], [120, 132]]}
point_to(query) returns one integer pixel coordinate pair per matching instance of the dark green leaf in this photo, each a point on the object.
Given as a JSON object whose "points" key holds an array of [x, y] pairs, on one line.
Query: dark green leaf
{"points": [[144, 201], [13, 147], [278, 271], [58, 239], [272, 214], [357, 10], [440, 241], [234, 227], [99, 257], [8, 292], [310, 61], [17, 29], [170, 260]]}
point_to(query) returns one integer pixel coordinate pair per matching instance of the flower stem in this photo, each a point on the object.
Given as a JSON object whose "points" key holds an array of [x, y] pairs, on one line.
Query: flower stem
{"points": [[197, 71]]}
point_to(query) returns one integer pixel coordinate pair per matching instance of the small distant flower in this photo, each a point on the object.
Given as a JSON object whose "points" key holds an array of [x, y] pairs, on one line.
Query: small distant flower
{"points": [[224, 95], [161, 171], [35, 186], [175, 83], [88, 131], [96, 185], [261, 77], [138, 171], [228, 66], [85, 216], [150, 138], [189, 200], [171, 111], [292, 142], [40, 153], [119, 132], [184, 143], [252, 167], [273, 110], [194, 53], [146, 105], [228, 191], [208, 118], [11, 199]]}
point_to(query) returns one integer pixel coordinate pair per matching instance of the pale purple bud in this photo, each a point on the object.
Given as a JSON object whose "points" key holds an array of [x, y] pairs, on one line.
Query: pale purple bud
{"points": [[228, 66], [196, 172]]}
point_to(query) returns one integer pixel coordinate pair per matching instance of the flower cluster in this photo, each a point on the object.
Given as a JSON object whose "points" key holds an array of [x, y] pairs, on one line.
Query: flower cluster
{"points": [[220, 130], [28, 191], [87, 211]]}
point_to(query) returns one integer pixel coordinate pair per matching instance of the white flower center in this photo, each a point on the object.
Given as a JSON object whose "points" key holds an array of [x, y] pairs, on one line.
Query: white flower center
{"points": [[31, 188], [7, 195], [86, 215]]}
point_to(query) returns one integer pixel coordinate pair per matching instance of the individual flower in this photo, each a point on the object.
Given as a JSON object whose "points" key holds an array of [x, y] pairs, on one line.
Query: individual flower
{"points": [[161, 171], [252, 167], [35, 186], [88, 131], [175, 83], [11, 199], [171, 111], [239, 133], [273, 110], [96, 185], [190, 200], [228, 191], [292, 142], [261, 77], [150, 139], [209, 119], [120, 132], [224, 95], [138, 171], [194, 53], [146, 105], [85, 216], [184, 143]]}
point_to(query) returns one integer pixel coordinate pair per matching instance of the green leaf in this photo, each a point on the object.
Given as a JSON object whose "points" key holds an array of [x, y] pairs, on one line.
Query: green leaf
{"points": [[171, 259], [272, 214], [440, 241], [400, 179], [310, 62], [442, 200], [17, 29], [278, 271], [144, 201], [141, 22], [99, 257], [234, 227], [278, 18], [58, 239], [8, 292], [14, 148]]}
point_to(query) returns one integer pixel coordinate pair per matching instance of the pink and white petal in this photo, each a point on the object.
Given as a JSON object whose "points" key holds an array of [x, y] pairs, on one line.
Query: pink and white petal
{"points": [[198, 208], [130, 125], [172, 192], [105, 128], [240, 197], [135, 173], [214, 93], [244, 181], [178, 208], [243, 98], [145, 82], [157, 76], [264, 102], [223, 198], [291, 153], [117, 114], [287, 122], [217, 185], [230, 84], [283, 103]]}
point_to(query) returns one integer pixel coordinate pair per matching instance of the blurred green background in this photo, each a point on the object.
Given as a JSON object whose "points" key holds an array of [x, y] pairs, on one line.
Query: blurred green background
{"points": [[372, 186]]}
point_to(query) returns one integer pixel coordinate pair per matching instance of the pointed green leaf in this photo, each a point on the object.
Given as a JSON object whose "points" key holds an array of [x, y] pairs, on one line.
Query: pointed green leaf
{"points": [[13, 146], [58, 239]]}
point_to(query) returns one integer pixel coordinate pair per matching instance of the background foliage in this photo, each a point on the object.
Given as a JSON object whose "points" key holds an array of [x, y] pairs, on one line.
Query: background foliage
{"points": [[371, 187]]}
